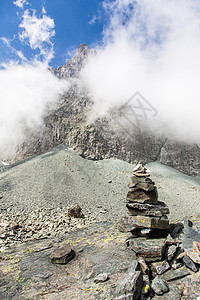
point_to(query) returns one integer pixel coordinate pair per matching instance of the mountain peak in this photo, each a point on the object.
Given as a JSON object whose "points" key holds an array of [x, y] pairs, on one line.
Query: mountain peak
{"points": [[74, 65]]}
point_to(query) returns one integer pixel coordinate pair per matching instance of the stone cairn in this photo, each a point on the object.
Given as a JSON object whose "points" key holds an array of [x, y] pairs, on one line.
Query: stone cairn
{"points": [[147, 216], [149, 227]]}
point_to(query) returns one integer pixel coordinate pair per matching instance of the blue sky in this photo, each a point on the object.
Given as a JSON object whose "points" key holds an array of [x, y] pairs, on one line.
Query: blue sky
{"points": [[76, 22]]}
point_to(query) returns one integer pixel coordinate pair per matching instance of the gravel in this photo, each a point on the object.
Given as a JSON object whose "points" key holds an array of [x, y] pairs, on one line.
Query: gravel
{"points": [[60, 179]]}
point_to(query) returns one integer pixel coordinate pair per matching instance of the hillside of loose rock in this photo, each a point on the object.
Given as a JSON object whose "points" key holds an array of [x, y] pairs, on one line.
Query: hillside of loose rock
{"points": [[35, 196]]}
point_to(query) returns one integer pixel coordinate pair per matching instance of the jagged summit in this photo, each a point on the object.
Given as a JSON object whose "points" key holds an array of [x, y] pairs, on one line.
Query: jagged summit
{"points": [[72, 68]]}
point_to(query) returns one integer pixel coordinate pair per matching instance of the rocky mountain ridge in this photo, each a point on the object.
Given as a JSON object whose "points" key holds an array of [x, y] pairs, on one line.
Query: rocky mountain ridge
{"points": [[67, 124]]}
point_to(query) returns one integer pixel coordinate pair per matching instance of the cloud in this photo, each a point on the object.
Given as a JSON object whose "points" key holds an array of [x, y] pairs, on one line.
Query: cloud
{"points": [[25, 92], [27, 87], [93, 20], [18, 53], [20, 3], [37, 33], [150, 46]]}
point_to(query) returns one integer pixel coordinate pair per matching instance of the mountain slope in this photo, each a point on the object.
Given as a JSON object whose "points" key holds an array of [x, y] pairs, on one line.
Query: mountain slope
{"points": [[67, 124]]}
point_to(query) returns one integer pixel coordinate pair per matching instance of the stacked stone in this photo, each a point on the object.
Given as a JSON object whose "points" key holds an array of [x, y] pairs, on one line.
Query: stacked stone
{"points": [[147, 216]]}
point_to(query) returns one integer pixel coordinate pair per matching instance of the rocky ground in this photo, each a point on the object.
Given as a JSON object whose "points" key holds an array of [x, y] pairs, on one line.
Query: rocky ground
{"points": [[35, 196]]}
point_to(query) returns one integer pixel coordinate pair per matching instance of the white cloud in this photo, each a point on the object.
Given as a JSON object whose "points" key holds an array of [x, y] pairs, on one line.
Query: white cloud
{"points": [[93, 20], [18, 53], [25, 93], [27, 88], [37, 33], [20, 3], [151, 46]]}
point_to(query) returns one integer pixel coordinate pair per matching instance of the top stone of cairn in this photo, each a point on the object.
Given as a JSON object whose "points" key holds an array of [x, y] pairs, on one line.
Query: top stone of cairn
{"points": [[141, 171]]}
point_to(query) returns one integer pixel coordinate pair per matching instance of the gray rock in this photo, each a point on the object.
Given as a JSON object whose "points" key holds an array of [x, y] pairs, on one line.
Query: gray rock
{"points": [[159, 286], [126, 224], [143, 266], [101, 277], [175, 274], [151, 250], [75, 212], [138, 195], [176, 229], [188, 262], [145, 209], [130, 285], [191, 234], [158, 268], [62, 255], [171, 251]]}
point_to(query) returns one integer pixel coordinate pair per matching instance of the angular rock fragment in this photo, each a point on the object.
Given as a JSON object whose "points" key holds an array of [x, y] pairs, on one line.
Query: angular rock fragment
{"points": [[138, 195], [136, 180], [62, 255], [130, 285], [188, 262], [196, 247], [175, 274], [159, 286], [194, 256], [171, 251], [145, 209], [175, 229], [158, 268], [75, 212], [143, 266], [151, 250], [145, 186], [191, 234]]}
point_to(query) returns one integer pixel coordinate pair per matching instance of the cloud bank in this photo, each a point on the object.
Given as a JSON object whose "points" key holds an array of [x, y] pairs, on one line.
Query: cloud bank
{"points": [[151, 46], [27, 87]]}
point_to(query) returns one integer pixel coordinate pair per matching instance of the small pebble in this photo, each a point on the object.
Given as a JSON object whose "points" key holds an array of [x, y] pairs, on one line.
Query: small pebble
{"points": [[101, 278]]}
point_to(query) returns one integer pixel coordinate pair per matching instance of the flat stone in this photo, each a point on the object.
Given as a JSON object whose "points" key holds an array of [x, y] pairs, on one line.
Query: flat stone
{"points": [[191, 234], [136, 179], [196, 248], [194, 256], [188, 262], [140, 174], [146, 209], [151, 250], [140, 168], [175, 274], [158, 268], [101, 278], [62, 255], [149, 233], [129, 223], [130, 285], [138, 195], [159, 286], [145, 186]]}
